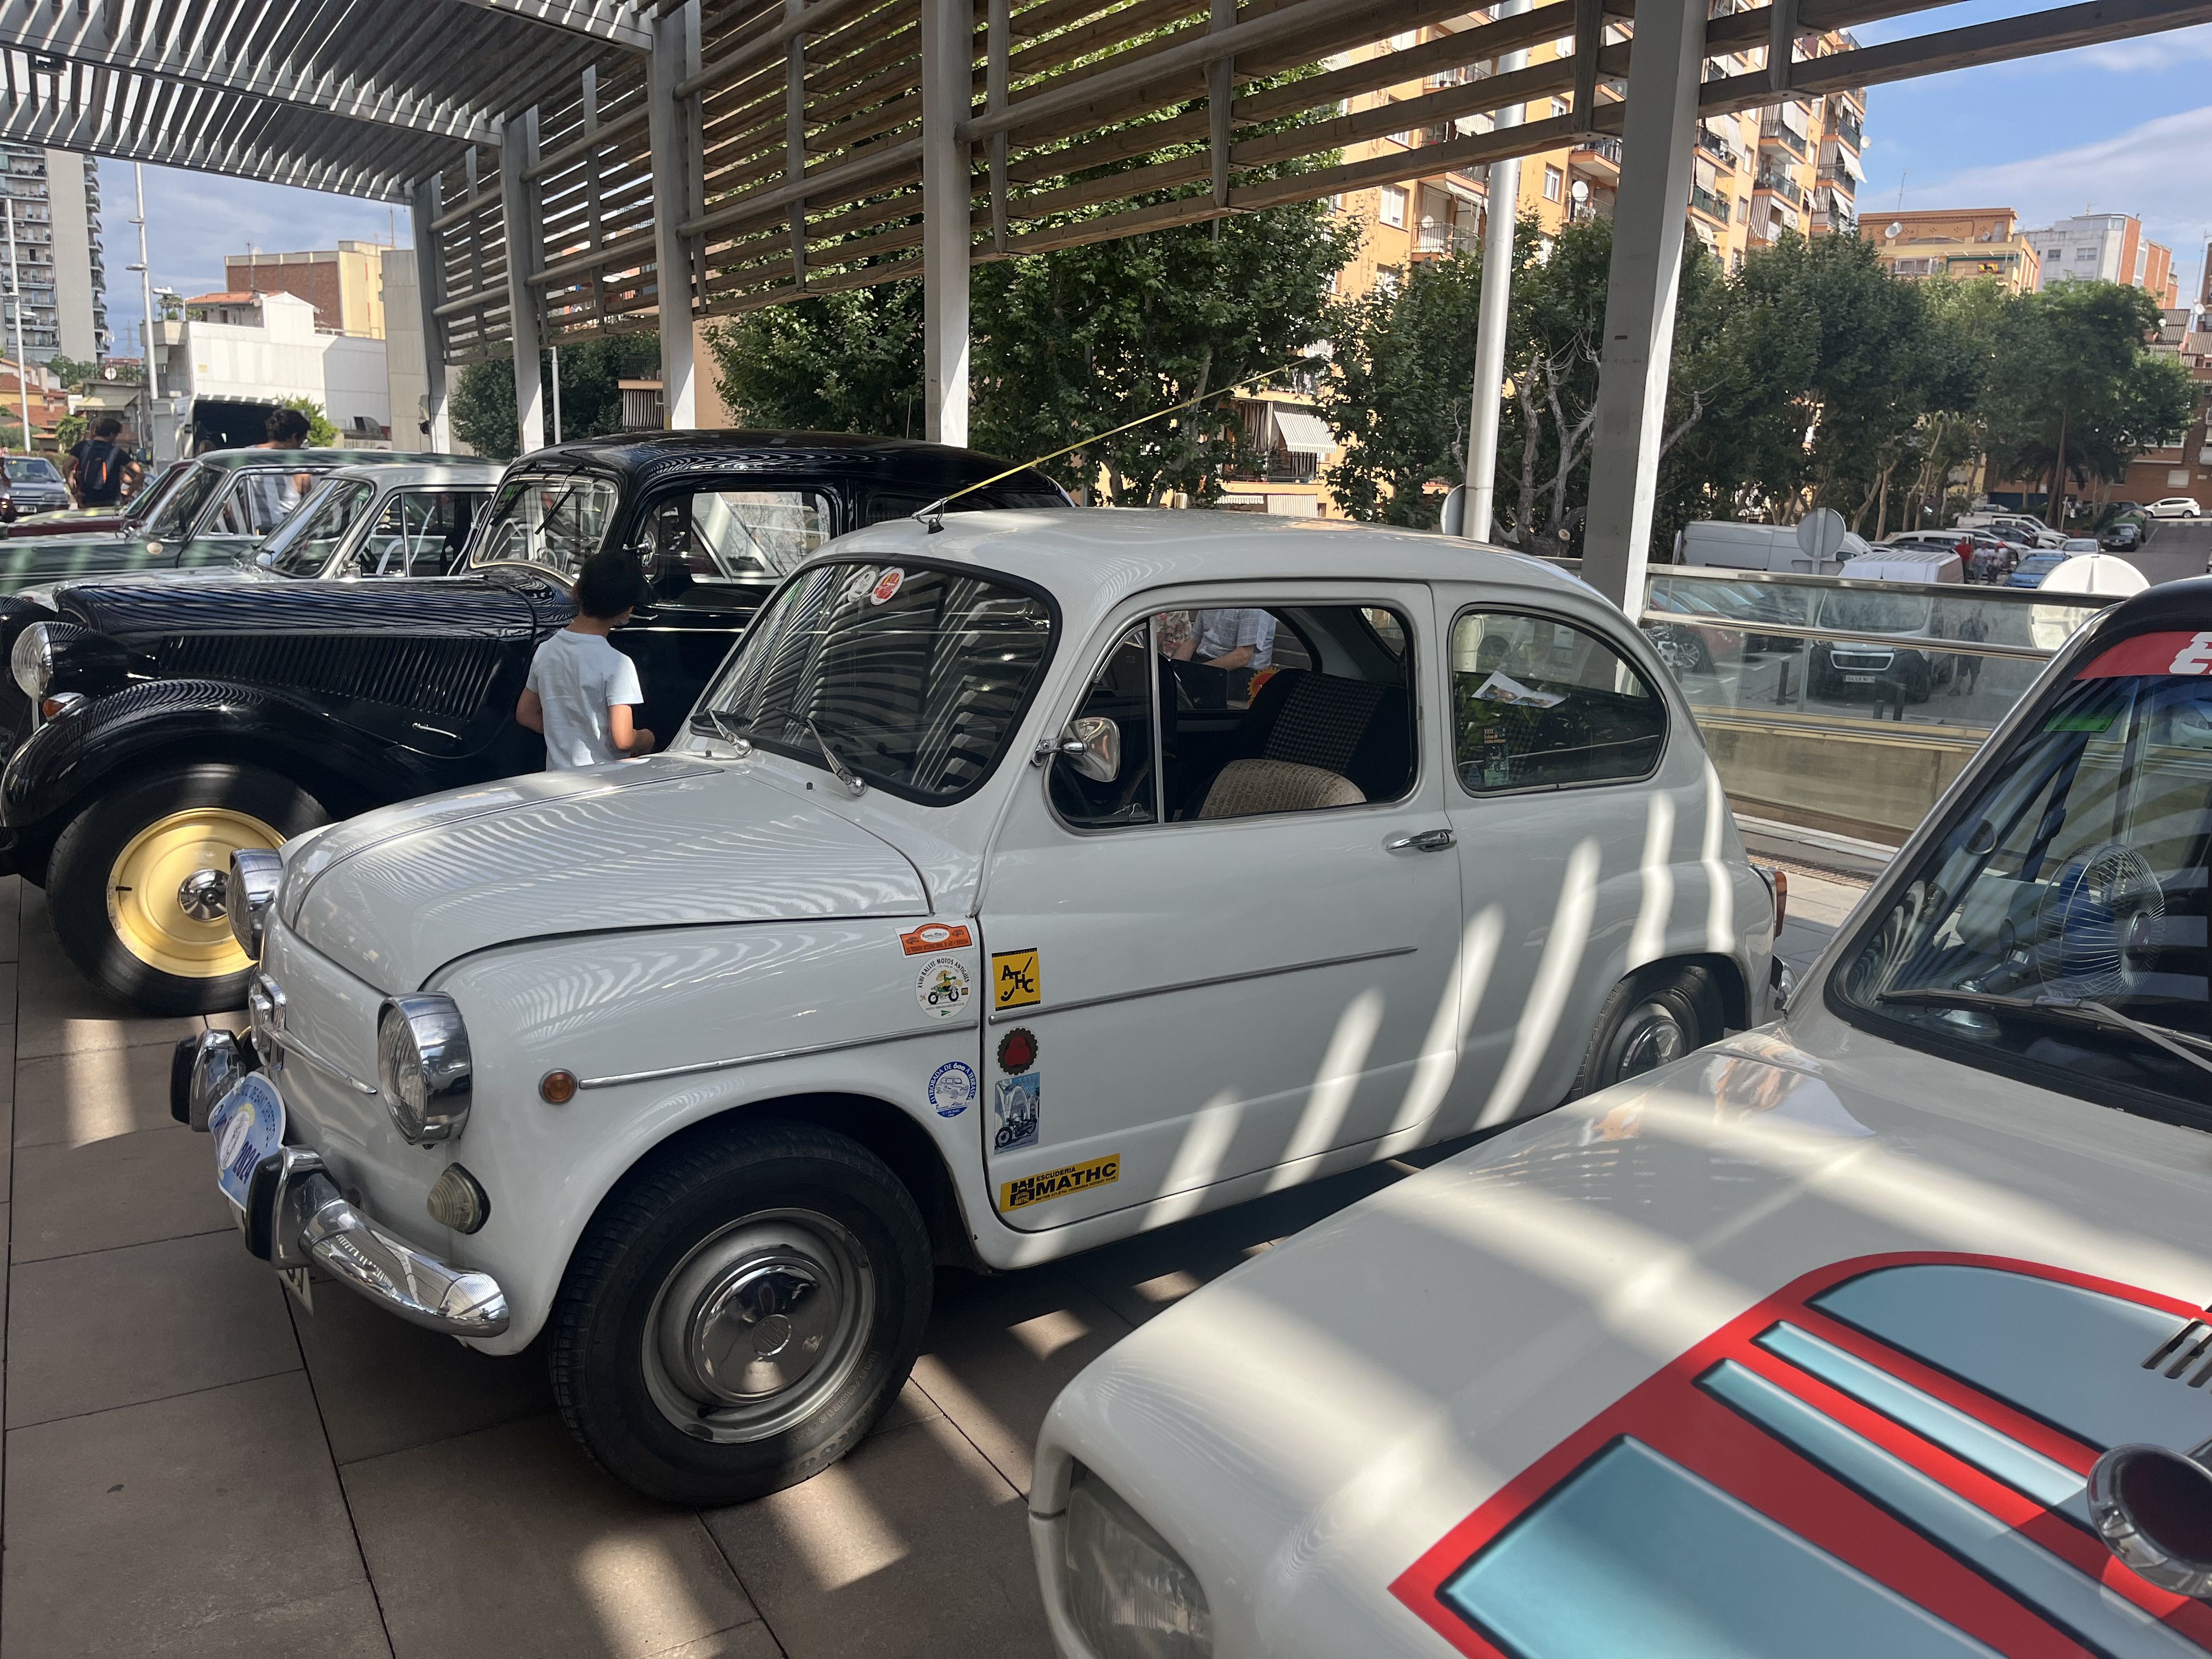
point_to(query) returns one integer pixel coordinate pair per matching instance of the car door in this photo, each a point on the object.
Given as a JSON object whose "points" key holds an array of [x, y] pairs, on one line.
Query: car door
{"points": [[250, 504], [1577, 846], [1223, 955]]}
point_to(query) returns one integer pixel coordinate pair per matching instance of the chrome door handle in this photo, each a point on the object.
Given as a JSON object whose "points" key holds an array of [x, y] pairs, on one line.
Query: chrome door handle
{"points": [[1429, 840]]}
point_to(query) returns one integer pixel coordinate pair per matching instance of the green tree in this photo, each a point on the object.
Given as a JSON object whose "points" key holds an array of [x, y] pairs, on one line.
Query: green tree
{"points": [[842, 362], [321, 435], [483, 397], [71, 430], [74, 374]]}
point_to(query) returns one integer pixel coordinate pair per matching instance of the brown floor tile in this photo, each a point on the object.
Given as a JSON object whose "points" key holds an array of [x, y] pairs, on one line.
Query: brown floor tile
{"points": [[558, 1559], [115, 1327], [133, 1189], [93, 1094], [209, 1524], [61, 1011], [913, 1547], [746, 1641], [385, 1385], [999, 1351], [11, 905]]}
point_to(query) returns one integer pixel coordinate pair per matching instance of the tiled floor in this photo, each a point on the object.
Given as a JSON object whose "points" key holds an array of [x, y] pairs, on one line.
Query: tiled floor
{"points": [[194, 1466]]}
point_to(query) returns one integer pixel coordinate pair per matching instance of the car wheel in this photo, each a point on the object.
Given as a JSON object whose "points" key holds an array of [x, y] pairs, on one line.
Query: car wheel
{"points": [[1659, 1014], [740, 1312], [1683, 652], [136, 883]]}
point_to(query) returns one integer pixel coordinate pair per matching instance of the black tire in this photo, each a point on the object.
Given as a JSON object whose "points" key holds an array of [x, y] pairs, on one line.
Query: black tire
{"points": [[704, 1224], [84, 865], [1656, 1014]]}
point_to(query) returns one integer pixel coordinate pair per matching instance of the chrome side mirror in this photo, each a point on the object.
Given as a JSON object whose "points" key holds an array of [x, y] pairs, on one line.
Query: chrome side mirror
{"points": [[1094, 744], [2153, 1508]]}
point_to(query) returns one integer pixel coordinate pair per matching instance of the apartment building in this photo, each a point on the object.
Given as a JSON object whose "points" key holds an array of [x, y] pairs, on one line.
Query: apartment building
{"points": [[1960, 242], [345, 284], [2106, 247], [55, 197]]}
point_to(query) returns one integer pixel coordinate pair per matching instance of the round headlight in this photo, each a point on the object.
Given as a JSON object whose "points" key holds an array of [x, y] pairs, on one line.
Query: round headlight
{"points": [[254, 874], [422, 1066], [31, 661], [1129, 1594]]}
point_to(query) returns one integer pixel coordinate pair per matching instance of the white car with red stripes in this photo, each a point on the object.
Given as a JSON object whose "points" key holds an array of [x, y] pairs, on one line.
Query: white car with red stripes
{"points": [[1877, 1331]]}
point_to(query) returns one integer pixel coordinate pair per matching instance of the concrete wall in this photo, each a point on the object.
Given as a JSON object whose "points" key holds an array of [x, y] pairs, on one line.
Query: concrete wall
{"points": [[286, 357], [405, 377], [73, 307]]}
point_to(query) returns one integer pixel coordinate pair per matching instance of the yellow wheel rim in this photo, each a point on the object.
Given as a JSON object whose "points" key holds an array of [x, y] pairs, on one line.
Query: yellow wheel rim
{"points": [[164, 901]]}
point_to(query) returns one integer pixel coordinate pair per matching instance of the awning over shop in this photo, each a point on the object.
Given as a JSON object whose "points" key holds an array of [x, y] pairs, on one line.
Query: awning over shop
{"points": [[1302, 433]]}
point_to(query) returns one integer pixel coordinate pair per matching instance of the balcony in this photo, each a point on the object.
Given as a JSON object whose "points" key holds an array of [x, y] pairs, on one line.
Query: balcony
{"points": [[1432, 241], [1599, 159], [1776, 133], [1839, 180], [1781, 185], [1711, 203], [1724, 154], [1848, 129]]}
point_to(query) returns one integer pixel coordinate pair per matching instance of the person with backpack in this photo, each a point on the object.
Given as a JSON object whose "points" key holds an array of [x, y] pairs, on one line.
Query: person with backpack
{"points": [[99, 468]]}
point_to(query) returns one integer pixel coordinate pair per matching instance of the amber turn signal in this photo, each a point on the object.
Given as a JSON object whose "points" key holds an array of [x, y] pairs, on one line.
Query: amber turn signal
{"points": [[557, 1088]]}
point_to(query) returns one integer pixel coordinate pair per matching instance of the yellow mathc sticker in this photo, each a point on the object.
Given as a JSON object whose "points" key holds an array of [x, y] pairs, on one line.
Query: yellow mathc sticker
{"points": [[1015, 982], [1058, 1183]]}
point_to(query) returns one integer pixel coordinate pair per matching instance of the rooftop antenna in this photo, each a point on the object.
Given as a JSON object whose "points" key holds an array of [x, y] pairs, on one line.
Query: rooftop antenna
{"points": [[1901, 177], [933, 516]]}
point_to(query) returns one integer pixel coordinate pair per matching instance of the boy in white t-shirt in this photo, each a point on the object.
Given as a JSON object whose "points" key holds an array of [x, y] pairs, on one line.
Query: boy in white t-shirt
{"points": [[582, 693]]}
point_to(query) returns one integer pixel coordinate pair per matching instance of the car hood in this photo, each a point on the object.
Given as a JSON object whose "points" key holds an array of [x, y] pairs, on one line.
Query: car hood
{"points": [[47, 594], [396, 894], [1323, 1426]]}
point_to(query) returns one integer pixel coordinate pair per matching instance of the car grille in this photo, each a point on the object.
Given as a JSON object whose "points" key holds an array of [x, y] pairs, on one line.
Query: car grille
{"points": [[1861, 661], [432, 677]]}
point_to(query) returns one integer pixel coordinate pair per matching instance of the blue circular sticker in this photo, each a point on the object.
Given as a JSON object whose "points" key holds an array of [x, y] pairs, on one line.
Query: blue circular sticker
{"points": [[951, 1088]]}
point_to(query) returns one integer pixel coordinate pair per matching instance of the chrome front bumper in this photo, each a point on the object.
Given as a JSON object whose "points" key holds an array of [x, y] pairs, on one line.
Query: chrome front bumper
{"points": [[295, 1216]]}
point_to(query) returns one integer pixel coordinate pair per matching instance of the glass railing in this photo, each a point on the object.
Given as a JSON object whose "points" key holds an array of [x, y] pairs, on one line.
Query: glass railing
{"points": [[1706, 201]]}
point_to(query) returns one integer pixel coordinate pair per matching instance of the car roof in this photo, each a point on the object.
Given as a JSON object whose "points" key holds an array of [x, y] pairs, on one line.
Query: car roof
{"points": [[482, 474], [231, 460], [903, 461], [1098, 555]]}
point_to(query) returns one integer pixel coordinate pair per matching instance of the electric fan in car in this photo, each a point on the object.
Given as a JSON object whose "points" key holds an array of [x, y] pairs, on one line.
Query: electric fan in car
{"points": [[2099, 924]]}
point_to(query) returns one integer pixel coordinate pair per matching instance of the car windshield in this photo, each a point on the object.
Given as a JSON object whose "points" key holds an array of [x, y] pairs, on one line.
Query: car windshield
{"points": [[2077, 875], [142, 505], [914, 677], [553, 519], [301, 546], [171, 518], [32, 469], [1862, 613]]}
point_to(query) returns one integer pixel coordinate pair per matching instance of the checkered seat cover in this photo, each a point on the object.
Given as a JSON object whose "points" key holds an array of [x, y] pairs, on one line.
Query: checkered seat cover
{"points": [[1355, 729]]}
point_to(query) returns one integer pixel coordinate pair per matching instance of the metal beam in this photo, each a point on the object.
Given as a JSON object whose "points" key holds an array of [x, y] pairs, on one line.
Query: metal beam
{"points": [[614, 22], [196, 58], [516, 152], [76, 127], [430, 291], [674, 120], [948, 72]]}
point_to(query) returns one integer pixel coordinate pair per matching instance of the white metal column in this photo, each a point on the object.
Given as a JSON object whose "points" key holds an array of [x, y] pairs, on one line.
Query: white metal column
{"points": [[669, 122], [430, 291], [1489, 405], [517, 149], [948, 69], [1657, 141]]}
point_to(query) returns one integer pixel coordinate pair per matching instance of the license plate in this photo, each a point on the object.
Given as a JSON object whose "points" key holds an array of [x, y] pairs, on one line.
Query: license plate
{"points": [[1861, 679], [247, 1125]]}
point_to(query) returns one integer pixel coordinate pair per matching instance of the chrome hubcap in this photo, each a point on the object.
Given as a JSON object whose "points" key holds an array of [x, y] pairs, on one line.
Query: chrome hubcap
{"points": [[1655, 1036], [204, 895], [758, 1325]]}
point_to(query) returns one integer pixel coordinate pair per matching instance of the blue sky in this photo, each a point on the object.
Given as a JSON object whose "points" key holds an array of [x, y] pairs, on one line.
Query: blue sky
{"points": [[2125, 128]]}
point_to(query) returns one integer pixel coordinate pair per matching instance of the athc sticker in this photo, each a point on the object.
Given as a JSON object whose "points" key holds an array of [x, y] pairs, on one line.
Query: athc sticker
{"points": [[887, 586], [1058, 1183], [951, 1088], [935, 936], [943, 989], [1016, 982], [1018, 1102], [1018, 1050]]}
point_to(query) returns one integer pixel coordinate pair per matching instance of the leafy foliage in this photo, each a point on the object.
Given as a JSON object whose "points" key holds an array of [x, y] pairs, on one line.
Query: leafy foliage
{"points": [[321, 435], [843, 363], [481, 405], [75, 373]]}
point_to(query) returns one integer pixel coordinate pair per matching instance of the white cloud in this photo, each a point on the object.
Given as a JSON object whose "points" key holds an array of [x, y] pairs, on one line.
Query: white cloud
{"points": [[2150, 52], [2145, 171]]}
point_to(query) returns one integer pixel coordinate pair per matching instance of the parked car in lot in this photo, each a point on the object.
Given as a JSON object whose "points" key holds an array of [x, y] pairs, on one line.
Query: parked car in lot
{"points": [[2037, 566], [178, 722], [1881, 665], [975, 917], [1879, 1331], [2175, 506], [2124, 537], [206, 511], [30, 484]]}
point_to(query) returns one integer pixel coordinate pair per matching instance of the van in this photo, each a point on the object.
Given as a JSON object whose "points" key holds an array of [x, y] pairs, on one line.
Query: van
{"points": [[1727, 546], [1847, 670]]}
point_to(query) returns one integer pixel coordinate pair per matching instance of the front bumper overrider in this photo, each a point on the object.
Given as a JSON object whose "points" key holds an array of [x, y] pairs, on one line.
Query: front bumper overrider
{"points": [[296, 1217]]}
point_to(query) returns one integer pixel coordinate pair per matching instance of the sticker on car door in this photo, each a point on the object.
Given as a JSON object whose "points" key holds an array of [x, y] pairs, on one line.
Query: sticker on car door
{"points": [[1058, 1183], [1016, 979]]}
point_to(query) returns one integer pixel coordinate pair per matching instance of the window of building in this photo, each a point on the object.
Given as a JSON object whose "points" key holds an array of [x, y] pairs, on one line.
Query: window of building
{"points": [[1554, 183], [1393, 206], [1388, 279], [1313, 712], [1538, 703]]}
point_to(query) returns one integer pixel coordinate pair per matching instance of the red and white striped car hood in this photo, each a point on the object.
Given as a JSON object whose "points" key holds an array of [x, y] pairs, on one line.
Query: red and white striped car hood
{"points": [[1771, 1355]]}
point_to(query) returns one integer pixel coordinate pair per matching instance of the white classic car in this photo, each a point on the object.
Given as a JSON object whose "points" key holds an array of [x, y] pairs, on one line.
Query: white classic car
{"points": [[1019, 884], [1881, 1331]]}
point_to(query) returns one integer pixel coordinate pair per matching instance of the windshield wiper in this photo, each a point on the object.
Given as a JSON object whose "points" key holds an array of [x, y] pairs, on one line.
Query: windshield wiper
{"points": [[711, 719], [843, 773], [2082, 1011]]}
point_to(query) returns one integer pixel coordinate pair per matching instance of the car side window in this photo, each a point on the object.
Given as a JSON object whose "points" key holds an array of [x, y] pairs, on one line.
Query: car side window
{"points": [[1219, 714], [728, 535], [421, 532], [1540, 704], [256, 502]]}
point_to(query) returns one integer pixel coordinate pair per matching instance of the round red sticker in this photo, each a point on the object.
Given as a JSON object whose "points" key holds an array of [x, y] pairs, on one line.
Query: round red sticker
{"points": [[886, 585], [1018, 1050]]}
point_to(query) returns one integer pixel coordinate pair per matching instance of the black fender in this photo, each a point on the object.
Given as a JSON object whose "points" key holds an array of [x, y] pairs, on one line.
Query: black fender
{"points": [[69, 762]]}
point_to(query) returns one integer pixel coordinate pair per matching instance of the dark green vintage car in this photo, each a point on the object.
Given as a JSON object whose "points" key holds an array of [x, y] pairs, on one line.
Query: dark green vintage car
{"points": [[203, 511]]}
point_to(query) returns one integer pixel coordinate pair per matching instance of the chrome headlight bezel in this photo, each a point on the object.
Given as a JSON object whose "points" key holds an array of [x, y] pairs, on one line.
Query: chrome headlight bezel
{"points": [[251, 889], [31, 661], [1130, 1594], [423, 1069]]}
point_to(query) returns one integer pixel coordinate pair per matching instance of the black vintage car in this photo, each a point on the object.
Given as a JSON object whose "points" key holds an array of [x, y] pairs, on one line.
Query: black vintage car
{"points": [[160, 727]]}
